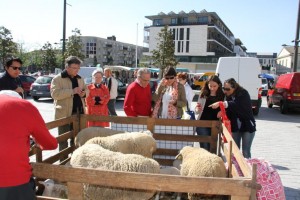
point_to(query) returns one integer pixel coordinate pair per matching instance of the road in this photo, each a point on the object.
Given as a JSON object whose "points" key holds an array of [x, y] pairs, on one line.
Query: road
{"points": [[277, 140]]}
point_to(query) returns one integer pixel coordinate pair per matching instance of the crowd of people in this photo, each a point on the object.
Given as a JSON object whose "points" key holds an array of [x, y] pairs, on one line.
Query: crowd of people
{"points": [[71, 95]]}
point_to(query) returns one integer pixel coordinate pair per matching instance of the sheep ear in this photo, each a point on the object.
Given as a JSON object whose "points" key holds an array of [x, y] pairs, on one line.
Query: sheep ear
{"points": [[178, 157]]}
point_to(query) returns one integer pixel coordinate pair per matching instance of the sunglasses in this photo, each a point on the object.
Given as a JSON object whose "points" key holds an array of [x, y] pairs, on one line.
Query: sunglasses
{"points": [[15, 68], [168, 78], [226, 89]]}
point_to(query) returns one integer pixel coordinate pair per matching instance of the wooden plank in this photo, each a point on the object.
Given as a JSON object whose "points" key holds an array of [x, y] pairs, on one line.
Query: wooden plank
{"points": [[75, 191], [60, 122], [65, 136], [186, 138], [59, 155], [157, 182]]}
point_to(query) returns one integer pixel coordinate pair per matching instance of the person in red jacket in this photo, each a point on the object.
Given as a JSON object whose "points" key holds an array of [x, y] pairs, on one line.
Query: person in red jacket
{"points": [[19, 120], [97, 99], [138, 95]]}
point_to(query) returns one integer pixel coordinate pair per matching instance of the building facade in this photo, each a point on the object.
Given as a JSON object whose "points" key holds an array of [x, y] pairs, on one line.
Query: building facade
{"points": [[110, 52], [200, 38], [285, 60], [266, 60]]}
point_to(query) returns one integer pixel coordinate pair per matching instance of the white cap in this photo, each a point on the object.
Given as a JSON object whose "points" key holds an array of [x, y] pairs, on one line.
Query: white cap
{"points": [[10, 93]]}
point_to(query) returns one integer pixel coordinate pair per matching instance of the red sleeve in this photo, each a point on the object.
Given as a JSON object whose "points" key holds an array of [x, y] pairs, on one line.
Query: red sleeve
{"points": [[90, 98], [39, 130], [129, 101]]}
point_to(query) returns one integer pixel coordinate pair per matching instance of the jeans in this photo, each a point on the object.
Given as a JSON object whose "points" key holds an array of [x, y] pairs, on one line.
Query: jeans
{"points": [[111, 107], [246, 138], [204, 131]]}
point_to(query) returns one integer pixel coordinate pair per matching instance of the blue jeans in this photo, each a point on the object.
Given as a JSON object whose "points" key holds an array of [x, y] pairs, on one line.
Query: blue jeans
{"points": [[204, 131], [246, 138], [111, 107]]}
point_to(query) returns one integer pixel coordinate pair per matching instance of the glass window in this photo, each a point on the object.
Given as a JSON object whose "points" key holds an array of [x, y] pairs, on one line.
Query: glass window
{"points": [[174, 21], [203, 20], [188, 34], [181, 36], [157, 22], [187, 46], [178, 47]]}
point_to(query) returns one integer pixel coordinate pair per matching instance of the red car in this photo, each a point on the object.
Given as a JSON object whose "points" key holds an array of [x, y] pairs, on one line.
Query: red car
{"points": [[26, 81]]}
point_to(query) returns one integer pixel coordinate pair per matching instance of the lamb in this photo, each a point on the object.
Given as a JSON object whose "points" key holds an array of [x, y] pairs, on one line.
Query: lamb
{"points": [[91, 132], [95, 156], [53, 189], [141, 143], [200, 162]]}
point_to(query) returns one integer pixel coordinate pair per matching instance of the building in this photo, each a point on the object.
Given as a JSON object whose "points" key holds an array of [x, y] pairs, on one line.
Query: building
{"points": [[110, 52], [266, 60], [285, 60], [200, 38]]}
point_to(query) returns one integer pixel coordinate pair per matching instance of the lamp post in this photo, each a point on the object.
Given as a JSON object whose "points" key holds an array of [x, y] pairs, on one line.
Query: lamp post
{"points": [[296, 41], [64, 35]]}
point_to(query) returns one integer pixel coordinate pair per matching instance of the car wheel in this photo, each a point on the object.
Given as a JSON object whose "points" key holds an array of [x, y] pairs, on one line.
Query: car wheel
{"points": [[35, 98], [270, 105], [283, 107]]}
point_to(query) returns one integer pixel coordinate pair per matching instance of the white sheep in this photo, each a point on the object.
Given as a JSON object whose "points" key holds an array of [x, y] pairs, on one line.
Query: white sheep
{"points": [[141, 143], [91, 132], [95, 156], [53, 189], [199, 162]]}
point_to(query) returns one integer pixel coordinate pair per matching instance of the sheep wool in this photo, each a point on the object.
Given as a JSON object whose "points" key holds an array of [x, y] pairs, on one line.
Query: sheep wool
{"points": [[199, 162], [91, 132], [141, 143], [95, 156]]}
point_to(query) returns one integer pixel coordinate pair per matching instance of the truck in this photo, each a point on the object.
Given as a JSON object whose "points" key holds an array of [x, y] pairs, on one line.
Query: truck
{"points": [[246, 71]]}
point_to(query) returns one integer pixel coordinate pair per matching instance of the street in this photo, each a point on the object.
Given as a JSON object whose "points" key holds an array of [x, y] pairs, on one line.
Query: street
{"points": [[277, 141]]}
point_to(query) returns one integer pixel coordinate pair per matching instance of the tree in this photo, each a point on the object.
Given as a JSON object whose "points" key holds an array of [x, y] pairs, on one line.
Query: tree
{"points": [[164, 56], [74, 45], [7, 46], [49, 59]]}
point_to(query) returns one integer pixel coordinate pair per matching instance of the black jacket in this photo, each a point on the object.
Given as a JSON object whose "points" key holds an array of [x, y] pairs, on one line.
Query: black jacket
{"points": [[9, 83], [240, 108]]}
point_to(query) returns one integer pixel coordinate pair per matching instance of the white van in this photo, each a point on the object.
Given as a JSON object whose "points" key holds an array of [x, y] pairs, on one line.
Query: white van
{"points": [[86, 73], [245, 70]]}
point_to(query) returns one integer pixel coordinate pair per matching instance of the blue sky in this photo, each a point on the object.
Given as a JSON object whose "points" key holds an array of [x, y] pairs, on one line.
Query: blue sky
{"points": [[262, 25]]}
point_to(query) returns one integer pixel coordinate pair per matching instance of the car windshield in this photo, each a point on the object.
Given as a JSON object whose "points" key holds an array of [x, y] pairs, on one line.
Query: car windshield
{"points": [[264, 81], [43, 80]]}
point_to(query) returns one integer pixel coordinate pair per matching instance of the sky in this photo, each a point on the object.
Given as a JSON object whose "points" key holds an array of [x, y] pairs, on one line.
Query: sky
{"points": [[262, 25]]}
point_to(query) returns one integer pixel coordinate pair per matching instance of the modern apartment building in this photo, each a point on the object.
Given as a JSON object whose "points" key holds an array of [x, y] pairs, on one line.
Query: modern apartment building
{"points": [[200, 38], [110, 52]]}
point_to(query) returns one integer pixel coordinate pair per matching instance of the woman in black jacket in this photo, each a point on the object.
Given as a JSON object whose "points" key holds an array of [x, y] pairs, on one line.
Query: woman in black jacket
{"points": [[239, 111]]}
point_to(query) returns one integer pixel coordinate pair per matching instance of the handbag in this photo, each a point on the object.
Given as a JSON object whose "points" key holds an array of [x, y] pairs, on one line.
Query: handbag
{"points": [[189, 112], [225, 120]]}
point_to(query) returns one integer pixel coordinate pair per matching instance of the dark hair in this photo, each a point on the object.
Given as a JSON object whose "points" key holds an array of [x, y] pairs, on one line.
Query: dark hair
{"points": [[72, 60], [10, 60], [205, 92], [170, 71], [234, 85], [182, 75]]}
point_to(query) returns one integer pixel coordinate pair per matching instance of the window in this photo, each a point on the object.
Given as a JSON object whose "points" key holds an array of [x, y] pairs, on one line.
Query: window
{"points": [[178, 47], [157, 22], [188, 34], [187, 46], [90, 49], [174, 32], [181, 35], [203, 20], [174, 21]]}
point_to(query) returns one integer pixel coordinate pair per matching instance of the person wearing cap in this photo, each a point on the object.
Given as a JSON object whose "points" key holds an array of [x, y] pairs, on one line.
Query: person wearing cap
{"points": [[10, 79], [19, 120], [138, 95], [169, 96]]}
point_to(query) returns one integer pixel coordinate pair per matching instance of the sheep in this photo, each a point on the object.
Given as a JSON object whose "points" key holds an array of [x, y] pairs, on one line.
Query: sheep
{"points": [[141, 143], [199, 162], [53, 189], [95, 156], [91, 132]]}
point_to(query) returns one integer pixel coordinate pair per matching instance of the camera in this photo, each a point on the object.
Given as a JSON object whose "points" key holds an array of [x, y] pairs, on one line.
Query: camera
{"points": [[97, 100]]}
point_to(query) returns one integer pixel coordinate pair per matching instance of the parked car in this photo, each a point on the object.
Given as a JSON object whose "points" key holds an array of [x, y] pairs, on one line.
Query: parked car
{"points": [[26, 81], [122, 87], [41, 87], [285, 93]]}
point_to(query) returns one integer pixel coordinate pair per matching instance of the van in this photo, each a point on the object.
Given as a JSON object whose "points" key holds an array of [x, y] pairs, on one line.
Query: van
{"points": [[285, 93], [246, 71], [200, 81]]}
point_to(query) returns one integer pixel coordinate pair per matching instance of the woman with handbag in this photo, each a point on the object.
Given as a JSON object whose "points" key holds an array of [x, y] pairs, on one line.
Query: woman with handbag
{"points": [[169, 97], [210, 93], [239, 110]]}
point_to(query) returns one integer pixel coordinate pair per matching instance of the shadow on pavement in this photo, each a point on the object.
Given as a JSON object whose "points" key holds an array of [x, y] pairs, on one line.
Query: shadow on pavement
{"points": [[278, 167], [292, 193], [273, 114]]}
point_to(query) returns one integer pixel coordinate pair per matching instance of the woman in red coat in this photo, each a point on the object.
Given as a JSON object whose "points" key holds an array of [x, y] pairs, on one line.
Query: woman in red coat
{"points": [[97, 99]]}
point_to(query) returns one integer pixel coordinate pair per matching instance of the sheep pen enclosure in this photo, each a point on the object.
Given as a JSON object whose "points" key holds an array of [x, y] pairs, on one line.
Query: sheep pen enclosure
{"points": [[171, 135]]}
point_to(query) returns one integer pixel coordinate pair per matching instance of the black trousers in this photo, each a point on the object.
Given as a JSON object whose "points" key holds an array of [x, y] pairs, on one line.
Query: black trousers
{"points": [[20, 192]]}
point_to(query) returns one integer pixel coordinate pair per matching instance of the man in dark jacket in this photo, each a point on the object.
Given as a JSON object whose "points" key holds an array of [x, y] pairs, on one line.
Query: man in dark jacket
{"points": [[10, 79]]}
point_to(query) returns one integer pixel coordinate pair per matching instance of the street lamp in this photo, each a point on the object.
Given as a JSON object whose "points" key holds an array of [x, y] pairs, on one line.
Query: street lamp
{"points": [[296, 41]]}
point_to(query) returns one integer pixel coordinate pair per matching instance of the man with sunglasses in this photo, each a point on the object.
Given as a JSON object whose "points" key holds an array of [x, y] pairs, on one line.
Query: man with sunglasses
{"points": [[10, 79]]}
